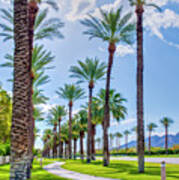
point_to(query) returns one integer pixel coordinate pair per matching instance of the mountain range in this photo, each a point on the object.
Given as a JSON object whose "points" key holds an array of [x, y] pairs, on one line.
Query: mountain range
{"points": [[157, 141]]}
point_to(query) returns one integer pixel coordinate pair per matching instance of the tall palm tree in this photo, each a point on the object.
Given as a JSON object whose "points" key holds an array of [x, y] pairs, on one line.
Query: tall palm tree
{"points": [[118, 136], [65, 138], [59, 112], [166, 122], [89, 71], [126, 133], [116, 107], [47, 134], [53, 121], [82, 121], [111, 136], [71, 93], [112, 28], [139, 4], [20, 115], [150, 127]]}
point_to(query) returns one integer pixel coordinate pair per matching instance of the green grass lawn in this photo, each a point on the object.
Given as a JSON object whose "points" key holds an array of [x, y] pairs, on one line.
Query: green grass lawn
{"points": [[124, 170], [37, 173]]}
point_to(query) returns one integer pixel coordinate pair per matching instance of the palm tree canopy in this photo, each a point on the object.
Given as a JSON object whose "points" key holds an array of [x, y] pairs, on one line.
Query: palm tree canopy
{"points": [[126, 132], [82, 119], [166, 121], [118, 134], [116, 101], [142, 3], [151, 126], [112, 27], [89, 71], [64, 132], [58, 112], [43, 28], [71, 92]]}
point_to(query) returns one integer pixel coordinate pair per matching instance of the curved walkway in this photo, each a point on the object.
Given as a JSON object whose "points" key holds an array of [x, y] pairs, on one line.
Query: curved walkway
{"points": [[57, 170]]}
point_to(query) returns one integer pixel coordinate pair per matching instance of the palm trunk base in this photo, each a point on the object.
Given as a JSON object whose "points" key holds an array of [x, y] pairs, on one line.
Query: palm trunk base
{"points": [[19, 170], [141, 164]]}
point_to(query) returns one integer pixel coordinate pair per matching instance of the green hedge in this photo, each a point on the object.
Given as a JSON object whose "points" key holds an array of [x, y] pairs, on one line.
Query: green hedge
{"points": [[4, 149]]}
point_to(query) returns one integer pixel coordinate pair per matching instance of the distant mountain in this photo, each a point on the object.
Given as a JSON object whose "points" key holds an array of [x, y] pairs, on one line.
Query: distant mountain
{"points": [[157, 141]]}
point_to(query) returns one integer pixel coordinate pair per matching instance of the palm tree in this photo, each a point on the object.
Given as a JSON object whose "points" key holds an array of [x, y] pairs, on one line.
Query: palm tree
{"points": [[59, 112], [20, 115], [116, 107], [118, 136], [53, 121], [166, 123], [47, 135], [71, 93], [111, 136], [140, 121], [82, 121], [65, 138], [151, 127], [126, 133], [134, 129], [89, 71], [112, 28]]}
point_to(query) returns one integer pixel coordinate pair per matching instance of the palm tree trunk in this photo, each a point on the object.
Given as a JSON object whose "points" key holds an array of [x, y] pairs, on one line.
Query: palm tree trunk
{"points": [[60, 143], [150, 142], [61, 147], [81, 145], [140, 123], [166, 139], [20, 114], [70, 130], [93, 129], [55, 141], [33, 9], [75, 145], [89, 138], [106, 120]]}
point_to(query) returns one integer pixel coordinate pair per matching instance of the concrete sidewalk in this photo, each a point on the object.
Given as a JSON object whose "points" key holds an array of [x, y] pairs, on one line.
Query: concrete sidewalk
{"points": [[57, 170]]}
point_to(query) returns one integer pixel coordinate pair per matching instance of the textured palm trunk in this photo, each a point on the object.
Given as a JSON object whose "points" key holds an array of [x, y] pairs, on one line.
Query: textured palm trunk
{"points": [[93, 129], [33, 9], [150, 141], [20, 113], [166, 139], [60, 143], [89, 138], [140, 121], [70, 130], [61, 149], [75, 146], [55, 141], [106, 120], [81, 145]]}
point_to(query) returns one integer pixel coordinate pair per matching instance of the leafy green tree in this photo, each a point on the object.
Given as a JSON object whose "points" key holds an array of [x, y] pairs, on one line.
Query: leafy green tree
{"points": [[151, 127], [112, 28], [139, 4], [5, 116], [71, 93], [166, 122]]}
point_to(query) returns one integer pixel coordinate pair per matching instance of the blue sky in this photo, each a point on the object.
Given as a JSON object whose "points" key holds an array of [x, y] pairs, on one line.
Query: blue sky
{"points": [[161, 56]]}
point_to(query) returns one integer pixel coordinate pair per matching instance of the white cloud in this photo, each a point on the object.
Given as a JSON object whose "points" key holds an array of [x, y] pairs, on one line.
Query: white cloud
{"points": [[123, 50], [79, 9], [46, 107], [127, 121]]}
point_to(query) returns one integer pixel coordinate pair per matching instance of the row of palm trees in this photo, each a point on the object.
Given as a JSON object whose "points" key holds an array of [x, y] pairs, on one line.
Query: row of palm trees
{"points": [[112, 28], [166, 122]]}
